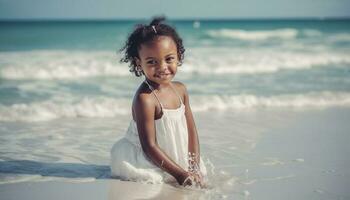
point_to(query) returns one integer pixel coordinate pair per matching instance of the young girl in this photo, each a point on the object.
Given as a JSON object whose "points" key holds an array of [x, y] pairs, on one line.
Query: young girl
{"points": [[161, 143]]}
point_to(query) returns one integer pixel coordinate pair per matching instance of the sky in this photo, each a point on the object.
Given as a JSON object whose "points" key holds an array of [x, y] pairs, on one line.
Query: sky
{"points": [[175, 9]]}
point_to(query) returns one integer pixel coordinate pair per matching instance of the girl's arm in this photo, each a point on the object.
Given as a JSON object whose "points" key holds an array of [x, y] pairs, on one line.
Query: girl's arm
{"points": [[193, 141], [144, 111]]}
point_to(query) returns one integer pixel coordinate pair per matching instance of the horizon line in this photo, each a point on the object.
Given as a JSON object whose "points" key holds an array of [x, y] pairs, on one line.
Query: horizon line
{"points": [[172, 19]]}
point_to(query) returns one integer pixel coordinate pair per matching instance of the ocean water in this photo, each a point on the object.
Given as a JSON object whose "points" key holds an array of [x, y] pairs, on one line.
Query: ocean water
{"points": [[52, 70], [65, 98]]}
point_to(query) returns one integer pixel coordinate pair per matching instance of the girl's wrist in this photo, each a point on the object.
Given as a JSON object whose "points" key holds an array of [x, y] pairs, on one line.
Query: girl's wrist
{"points": [[193, 162], [193, 156], [188, 180], [181, 178]]}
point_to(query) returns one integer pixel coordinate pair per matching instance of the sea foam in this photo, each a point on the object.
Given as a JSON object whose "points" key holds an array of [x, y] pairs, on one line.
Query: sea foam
{"points": [[109, 107], [288, 33], [245, 101], [48, 110], [258, 61], [56, 65]]}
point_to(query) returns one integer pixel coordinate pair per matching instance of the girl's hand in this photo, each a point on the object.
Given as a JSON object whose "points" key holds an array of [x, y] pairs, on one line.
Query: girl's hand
{"points": [[185, 179], [198, 179], [194, 179]]}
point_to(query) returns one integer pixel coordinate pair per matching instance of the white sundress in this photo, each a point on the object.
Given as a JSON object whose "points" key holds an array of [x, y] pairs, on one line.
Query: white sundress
{"points": [[129, 162]]}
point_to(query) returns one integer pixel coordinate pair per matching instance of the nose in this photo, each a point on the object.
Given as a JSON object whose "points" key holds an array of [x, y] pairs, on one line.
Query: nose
{"points": [[162, 65]]}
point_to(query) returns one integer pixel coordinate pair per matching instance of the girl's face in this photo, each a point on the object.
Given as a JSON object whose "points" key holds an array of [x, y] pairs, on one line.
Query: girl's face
{"points": [[158, 59]]}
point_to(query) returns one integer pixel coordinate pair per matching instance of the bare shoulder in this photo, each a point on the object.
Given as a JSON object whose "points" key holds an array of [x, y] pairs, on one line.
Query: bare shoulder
{"points": [[143, 99]]}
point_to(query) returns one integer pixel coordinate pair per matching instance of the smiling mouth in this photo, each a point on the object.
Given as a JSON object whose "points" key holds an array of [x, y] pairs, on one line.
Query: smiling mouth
{"points": [[163, 74]]}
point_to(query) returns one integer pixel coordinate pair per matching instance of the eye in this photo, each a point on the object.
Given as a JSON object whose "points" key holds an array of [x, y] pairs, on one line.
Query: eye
{"points": [[170, 59], [151, 62]]}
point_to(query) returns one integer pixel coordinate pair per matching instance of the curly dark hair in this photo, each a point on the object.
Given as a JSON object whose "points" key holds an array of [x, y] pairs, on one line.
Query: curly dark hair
{"points": [[145, 33]]}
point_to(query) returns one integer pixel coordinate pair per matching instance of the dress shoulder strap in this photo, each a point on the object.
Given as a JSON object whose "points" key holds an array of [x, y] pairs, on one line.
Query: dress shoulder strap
{"points": [[176, 93], [152, 89]]}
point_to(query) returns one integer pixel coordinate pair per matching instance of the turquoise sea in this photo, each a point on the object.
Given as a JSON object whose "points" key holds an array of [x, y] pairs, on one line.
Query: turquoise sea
{"points": [[65, 97], [243, 64]]}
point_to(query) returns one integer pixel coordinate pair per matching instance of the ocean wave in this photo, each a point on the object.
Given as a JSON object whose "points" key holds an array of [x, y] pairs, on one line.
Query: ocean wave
{"points": [[288, 33], [56, 65], [256, 62], [49, 110], [108, 107], [60, 65], [341, 37], [304, 101], [311, 32]]}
